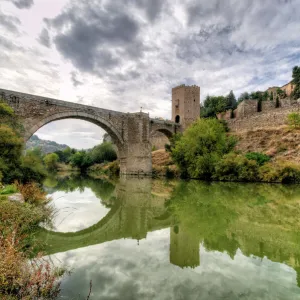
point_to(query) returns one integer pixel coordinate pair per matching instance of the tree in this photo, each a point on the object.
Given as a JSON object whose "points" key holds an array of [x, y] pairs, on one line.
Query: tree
{"points": [[231, 101], [51, 160], [296, 82], [280, 93], [103, 152], [201, 146], [213, 105], [243, 96], [81, 160]]}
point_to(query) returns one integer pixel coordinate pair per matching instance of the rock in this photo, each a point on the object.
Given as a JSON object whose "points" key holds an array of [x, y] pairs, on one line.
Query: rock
{"points": [[16, 197]]}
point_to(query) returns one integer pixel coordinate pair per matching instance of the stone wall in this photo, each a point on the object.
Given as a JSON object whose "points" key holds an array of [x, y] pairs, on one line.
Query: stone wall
{"points": [[158, 140], [272, 118]]}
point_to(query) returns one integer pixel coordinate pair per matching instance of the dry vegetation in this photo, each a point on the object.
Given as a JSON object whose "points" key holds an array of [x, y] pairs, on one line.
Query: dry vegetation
{"points": [[281, 143], [162, 164]]}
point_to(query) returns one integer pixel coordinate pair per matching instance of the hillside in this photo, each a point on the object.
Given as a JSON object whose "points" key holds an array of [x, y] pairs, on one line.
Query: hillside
{"points": [[281, 143], [45, 145]]}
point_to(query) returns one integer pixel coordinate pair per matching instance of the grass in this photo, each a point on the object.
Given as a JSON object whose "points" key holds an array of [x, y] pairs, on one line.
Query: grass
{"points": [[9, 189]]}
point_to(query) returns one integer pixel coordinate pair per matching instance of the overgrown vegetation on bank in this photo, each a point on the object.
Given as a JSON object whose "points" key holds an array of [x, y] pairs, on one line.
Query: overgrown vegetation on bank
{"points": [[20, 277], [206, 151]]}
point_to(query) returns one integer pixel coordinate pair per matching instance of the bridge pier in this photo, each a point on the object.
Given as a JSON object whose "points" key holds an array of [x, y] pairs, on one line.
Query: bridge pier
{"points": [[136, 158]]}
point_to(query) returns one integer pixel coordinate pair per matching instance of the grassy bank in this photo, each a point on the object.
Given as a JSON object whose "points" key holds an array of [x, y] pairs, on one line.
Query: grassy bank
{"points": [[22, 277]]}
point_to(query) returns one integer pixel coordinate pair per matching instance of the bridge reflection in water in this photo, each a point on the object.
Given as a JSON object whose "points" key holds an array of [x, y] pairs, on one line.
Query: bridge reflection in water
{"points": [[260, 220]]}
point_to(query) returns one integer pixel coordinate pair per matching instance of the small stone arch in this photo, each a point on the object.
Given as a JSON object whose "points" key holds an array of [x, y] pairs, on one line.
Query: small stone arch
{"points": [[177, 119], [101, 122]]}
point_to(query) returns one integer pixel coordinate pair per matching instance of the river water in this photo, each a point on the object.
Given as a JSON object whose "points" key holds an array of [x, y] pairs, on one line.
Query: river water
{"points": [[154, 239]]}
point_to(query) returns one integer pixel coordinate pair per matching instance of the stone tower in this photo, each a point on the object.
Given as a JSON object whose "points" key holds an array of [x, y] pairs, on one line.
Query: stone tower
{"points": [[185, 104]]}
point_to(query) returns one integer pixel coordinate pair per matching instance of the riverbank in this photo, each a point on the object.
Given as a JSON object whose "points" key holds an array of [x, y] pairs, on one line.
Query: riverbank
{"points": [[22, 277]]}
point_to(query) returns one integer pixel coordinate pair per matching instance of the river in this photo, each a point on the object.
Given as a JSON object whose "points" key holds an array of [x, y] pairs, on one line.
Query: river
{"points": [[155, 239]]}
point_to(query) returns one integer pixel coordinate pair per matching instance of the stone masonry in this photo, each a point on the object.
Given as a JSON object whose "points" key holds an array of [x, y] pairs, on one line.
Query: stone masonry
{"points": [[130, 132]]}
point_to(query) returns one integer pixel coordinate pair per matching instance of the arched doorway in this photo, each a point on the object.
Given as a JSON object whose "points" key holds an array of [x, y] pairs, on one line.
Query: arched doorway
{"points": [[177, 119]]}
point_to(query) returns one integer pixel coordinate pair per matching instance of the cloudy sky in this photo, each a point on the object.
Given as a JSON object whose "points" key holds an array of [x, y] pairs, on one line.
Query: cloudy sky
{"points": [[127, 54]]}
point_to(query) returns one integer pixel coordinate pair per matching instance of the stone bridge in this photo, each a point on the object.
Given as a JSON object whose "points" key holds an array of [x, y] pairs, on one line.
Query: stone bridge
{"points": [[135, 211], [130, 132]]}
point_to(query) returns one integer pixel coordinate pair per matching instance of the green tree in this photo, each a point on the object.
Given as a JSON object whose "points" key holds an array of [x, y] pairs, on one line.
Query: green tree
{"points": [[231, 101], [103, 152], [212, 106], [199, 149], [51, 161], [296, 82], [243, 96], [81, 160], [280, 93]]}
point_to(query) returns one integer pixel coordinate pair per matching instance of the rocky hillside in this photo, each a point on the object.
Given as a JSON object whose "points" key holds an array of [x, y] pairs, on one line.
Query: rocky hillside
{"points": [[281, 143], [45, 145]]}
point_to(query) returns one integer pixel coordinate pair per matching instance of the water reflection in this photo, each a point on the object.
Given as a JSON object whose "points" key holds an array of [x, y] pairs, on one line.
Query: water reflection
{"points": [[222, 240]]}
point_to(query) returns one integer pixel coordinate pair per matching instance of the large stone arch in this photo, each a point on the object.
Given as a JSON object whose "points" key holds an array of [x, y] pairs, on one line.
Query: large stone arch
{"points": [[97, 120]]}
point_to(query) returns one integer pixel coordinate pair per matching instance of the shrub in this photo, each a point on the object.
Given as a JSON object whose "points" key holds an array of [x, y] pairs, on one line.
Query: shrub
{"points": [[293, 120], [103, 152], [9, 189], [32, 193], [21, 279], [282, 171], [51, 161], [260, 158], [5, 110], [234, 167], [200, 148], [114, 168]]}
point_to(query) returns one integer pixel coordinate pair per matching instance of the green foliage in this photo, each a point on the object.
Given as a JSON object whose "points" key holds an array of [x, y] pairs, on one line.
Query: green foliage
{"points": [[10, 153], [213, 105], [284, 172], [9, 189], [281, 94], [81, 160], [296, 82], [260, 158], [293, 120], [103, 152], [32, 166], [65, 155], [243, 96], [201, 147], [51, 161], [5, 110], [234, 167], [231, 101]]}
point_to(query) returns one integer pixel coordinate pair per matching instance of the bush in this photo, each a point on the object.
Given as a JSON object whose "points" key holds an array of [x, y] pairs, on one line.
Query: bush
{"points": [[260, 158], [234, 167], [201, 147], [293, 120], [21, 279], [284, 172], [51, 160], [9, 189], [32, 193], [32, 167], [103, 152]]}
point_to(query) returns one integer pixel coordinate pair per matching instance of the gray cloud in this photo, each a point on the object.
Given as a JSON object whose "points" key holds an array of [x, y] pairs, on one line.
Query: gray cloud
{"points": [[22, 4], [9, 23], [74, 79], [44, 38], [98, 38]]}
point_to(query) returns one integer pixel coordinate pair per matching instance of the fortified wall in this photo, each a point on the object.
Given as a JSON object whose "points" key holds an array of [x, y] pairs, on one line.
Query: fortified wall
{"points": [[250, 114]]}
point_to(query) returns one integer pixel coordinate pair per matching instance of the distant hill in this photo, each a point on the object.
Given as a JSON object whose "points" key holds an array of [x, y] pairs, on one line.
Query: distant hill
{"points": [[45, 145]]}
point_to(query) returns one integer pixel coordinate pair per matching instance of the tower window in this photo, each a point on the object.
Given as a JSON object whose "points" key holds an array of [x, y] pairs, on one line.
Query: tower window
{"points": [[177, 119]]}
